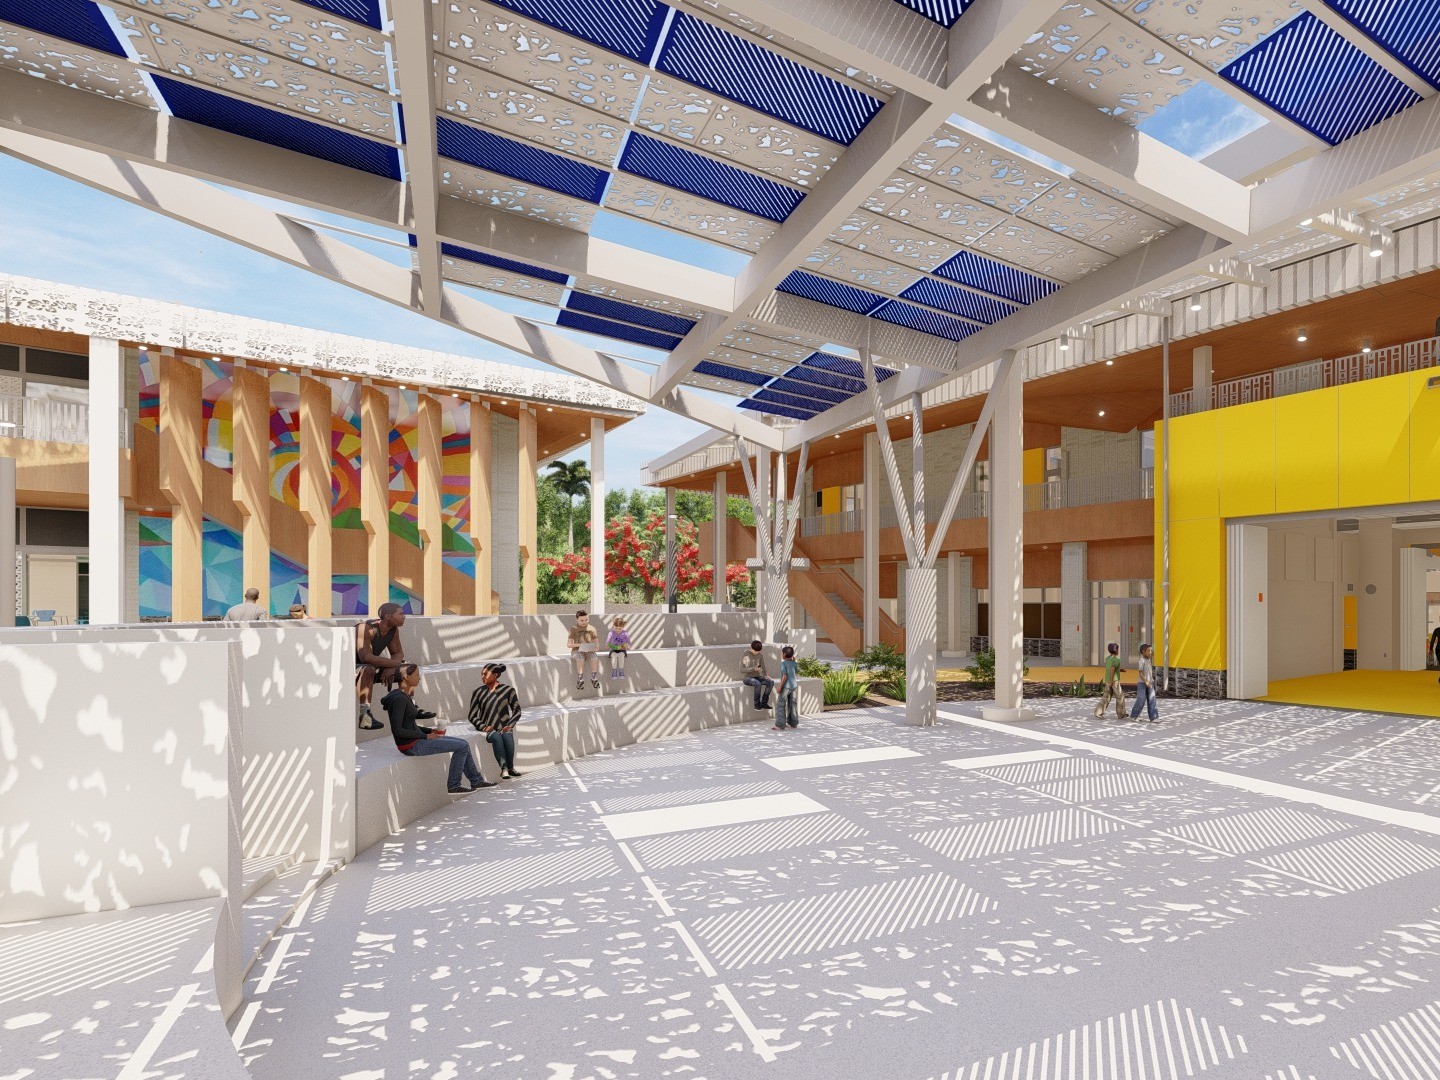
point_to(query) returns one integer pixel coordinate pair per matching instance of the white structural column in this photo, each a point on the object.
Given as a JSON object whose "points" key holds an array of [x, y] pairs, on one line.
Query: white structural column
{"points": [[870, 562], [720, 524], [1375, 606], [760, 500], [1075, 603], [1007, 542], [597, 515], [671, 600], [778, 566], [107, 506], [1202, 362], [8, 578]]}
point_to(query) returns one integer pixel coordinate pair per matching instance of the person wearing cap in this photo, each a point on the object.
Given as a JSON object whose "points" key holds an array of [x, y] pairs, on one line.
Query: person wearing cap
{"points": [[297, 611]]}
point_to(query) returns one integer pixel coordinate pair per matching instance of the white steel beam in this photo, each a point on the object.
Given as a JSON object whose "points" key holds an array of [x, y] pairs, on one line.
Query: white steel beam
{"points": [[243, 222], [1045, 118], [414, 44], [1261, 154], [988, 33], [1240, 272]]}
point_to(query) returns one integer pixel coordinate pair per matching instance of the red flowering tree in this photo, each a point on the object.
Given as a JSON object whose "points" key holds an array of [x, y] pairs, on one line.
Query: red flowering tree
{"points": [[635, 559]]}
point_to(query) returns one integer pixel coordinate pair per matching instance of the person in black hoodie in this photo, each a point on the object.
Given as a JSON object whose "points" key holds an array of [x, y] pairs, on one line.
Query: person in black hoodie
{"points": [[413, 740]]}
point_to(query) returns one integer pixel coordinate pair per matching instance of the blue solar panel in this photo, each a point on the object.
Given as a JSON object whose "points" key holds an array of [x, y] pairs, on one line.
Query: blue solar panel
{"points": [[809, 390], [971, 305], [734, 374], [839, 365], [925, 320], [825, 291], [777, 410], [519, 160], [79, 21], [1308, 72], [1408, 29], [773, 397], [995, 277], [361, 11], [455, 251], [830, 380], [577, 320], [702, 53], [256, 122], [944, 12], [709, 179], [607, 308], [628, 27]]}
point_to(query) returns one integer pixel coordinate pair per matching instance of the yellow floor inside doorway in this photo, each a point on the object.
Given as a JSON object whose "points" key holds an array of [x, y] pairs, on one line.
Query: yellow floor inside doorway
{"points": [[1414, 693]]}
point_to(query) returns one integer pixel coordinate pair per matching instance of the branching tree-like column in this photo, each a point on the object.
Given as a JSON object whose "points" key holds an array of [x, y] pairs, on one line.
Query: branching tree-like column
{"points": [[776, 523], [922, 552]]}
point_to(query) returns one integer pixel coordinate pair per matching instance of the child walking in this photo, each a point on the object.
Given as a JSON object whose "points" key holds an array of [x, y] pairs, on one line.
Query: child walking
{"points": [[619, 642], [788, 715], [584, 647], [1110, 688]]}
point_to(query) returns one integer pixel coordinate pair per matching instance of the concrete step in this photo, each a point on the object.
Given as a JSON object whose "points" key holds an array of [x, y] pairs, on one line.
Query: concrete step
{"points": [[266, 911], [846, 611]]}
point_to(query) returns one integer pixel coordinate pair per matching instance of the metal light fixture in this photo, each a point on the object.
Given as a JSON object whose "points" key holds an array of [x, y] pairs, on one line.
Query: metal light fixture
{"points": [[1365, 346], [1194, 303], [1064, 342], [1302, 337]]}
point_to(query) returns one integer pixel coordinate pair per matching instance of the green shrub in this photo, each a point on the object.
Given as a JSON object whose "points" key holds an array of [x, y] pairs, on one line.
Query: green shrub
{"points": [[983, 669], [844, 686], [1078, 688], [881, 658], [811, 667], [894, 688]]}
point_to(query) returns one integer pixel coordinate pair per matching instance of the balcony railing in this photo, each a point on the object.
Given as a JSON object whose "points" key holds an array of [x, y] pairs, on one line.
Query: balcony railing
{"points": [[1312, 375], [1055, 495], [46, 420]]}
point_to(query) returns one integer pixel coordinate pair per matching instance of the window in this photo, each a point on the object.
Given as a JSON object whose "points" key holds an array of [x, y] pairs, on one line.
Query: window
{"points": [[1052, 463], [982, 476]]}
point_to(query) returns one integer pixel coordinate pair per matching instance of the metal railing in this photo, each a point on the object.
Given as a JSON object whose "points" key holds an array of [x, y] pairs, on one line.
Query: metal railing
{"points": [[1055, 495], [47, 420], [1311, 375]]}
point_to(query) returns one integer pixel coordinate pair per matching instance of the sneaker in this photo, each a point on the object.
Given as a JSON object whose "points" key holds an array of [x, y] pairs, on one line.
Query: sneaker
{"points": [[579, 684], [595, 681], [368, 721], [460, 790], [777, 727], [482, 783], [515, 775], [766, 705], [622, 674]]}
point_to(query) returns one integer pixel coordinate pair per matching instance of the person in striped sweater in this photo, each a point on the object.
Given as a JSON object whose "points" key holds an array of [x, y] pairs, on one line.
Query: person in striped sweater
{"points": [[494, 711]]}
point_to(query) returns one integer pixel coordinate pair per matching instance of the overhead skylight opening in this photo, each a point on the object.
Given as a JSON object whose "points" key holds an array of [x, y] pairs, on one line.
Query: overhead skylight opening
{"points": [[658, 240], [994, 138], [1201, 121]]}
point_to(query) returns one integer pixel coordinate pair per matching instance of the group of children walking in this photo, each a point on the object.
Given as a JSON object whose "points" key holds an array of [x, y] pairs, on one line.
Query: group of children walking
{"points": [[585, 648], [1111, 690]]}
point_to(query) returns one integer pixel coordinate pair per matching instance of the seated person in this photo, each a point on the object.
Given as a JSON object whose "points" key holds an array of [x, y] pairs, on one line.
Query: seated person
{"points": [[584, 647], [752, 665], [372, 639], [413, 740], [495, 710]]}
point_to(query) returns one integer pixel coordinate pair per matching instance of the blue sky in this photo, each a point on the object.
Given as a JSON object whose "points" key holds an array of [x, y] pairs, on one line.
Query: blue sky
{"points": [[60, 230]]}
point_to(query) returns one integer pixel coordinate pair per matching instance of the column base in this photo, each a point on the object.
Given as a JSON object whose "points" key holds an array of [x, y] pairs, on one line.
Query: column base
{"points": [[1006, 716]]}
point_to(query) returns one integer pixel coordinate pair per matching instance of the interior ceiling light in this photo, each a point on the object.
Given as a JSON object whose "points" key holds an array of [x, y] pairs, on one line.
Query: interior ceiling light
{"points": [[284, 368], [1194, 303], [344, 378], [1302, 336], [1377, 245], [1064, 342], [1307, 222], [1109, 363], [1365, 346], [1102, 412]]}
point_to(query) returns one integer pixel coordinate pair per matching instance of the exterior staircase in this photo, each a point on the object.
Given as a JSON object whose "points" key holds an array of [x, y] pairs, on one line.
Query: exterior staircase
{"points": [[846, 610]]}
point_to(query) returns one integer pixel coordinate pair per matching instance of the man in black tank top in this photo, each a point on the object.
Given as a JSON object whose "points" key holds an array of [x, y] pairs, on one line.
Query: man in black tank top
{"points": [[378, 655]]}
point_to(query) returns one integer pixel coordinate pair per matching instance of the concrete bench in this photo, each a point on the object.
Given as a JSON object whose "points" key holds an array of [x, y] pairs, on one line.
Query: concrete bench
{"points": [[392, 790]]}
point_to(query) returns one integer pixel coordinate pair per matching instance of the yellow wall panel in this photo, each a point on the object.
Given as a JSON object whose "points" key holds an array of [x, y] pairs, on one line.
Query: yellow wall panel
{"points": [[1246, 440], [1197, 594], [1195, 467], [830, 500], [1424, 436], [1375, 442], [1352, 622], [1033, 466], [1307, 451]]}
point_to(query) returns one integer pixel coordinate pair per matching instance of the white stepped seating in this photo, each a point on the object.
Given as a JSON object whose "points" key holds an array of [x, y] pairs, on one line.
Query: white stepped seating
{"points": [[272, 900], [392, 790]]}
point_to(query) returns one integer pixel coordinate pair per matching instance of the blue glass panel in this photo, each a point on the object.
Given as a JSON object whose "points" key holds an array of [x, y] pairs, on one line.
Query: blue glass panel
{"points": [[777, 410], [667, 164], [631, 313], [944, 12], [734, 374], [256, 122], [455, 251], [1308, 72], [842, 366], [819, 394], [628, 27], [957, 301], [576, 320], [519, 160], [995, 277], [925, 320], [361, 11], [844, 384], [79, 21], [825, 291], [1408, 29], [702, 53], [773, 397]]}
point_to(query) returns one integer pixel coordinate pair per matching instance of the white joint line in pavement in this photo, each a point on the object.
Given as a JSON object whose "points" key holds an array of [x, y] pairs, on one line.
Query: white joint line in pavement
{"points": [[576, 776], [139, 1064], [272, 969], [596, 807], [242, 1027], [1386, 815], [658, 895], [706, 968], [756, 1039], [630, 855]]}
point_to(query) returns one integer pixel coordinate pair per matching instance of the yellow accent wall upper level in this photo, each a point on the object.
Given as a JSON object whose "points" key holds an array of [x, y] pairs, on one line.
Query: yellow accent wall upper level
{"points": [[1033, 466]]}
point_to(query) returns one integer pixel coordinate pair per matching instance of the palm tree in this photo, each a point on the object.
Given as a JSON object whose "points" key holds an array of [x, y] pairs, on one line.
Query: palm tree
{"points": [[571, 479]]}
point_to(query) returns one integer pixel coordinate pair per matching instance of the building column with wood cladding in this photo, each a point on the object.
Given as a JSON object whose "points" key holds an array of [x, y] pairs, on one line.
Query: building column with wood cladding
{"points": [[428, 476], [181, 443], [375, 493], [481, 503], [316, 424], [528, 506], [250, 474], [597, 515]]}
